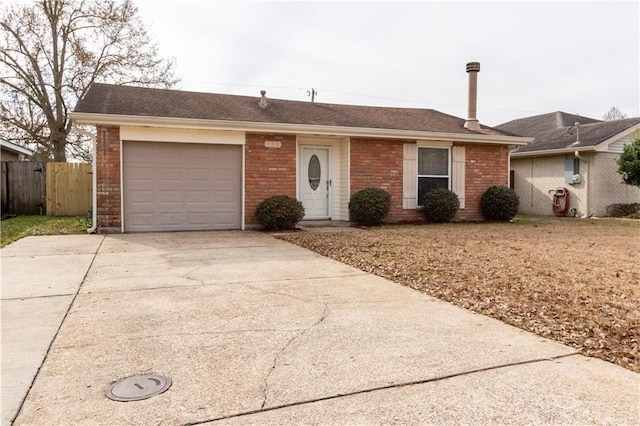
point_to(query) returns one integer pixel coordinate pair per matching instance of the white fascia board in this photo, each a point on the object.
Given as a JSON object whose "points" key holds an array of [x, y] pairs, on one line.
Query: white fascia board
{"points": [[548, 152], [16, 148], [298, 129]]}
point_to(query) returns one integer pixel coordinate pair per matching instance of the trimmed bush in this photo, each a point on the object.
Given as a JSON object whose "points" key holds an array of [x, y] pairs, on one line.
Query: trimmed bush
{"points": [[279, 212], [499, 203], [629, 163], [622, 210], [440, 205], [369, 206]]}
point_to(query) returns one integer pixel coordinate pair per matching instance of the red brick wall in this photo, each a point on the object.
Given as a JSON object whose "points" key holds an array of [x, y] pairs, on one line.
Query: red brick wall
{"points": [[485, 165], [109, 210], [378, 163], [268, 171], [272, 171]]}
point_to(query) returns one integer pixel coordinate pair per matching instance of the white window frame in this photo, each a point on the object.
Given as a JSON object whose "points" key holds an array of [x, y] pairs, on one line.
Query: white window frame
{"points": [[418, 175]]}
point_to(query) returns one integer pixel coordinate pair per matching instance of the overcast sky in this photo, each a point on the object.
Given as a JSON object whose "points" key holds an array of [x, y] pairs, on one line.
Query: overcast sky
{"points": [[536, 57]]}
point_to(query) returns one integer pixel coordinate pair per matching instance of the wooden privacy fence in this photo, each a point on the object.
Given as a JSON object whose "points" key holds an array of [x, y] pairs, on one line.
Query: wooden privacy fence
{"points": [[54, 189], [68, 189], [23, 187]]}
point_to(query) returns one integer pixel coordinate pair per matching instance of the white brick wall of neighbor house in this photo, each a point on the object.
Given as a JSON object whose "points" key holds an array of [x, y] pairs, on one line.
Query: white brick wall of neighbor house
{"points": [[608, 188], [536, 178]]}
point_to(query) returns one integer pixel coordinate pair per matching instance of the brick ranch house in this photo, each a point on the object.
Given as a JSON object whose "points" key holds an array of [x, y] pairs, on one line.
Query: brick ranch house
{"points": [[168, 160], [572, 152]]}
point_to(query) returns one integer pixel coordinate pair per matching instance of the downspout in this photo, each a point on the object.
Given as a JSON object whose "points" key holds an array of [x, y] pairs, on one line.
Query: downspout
{"points": [[94, 178], [509, 168], [586, 183], [531, 186]]}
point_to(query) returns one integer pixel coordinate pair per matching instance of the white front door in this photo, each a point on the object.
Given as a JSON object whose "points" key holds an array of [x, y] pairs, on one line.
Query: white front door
{"points": [[315, 181]]}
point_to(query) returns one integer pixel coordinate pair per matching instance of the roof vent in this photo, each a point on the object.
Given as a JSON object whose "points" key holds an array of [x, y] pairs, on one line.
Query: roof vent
{"points": [[473, 68], [263, 99], [577, 126]]}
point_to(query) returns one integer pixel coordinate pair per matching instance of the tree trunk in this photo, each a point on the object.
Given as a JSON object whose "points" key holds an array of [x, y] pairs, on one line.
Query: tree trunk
{"points": [[58, 141]]}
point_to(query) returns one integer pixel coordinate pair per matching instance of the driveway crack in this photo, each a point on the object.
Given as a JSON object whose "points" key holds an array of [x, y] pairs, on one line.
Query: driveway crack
{"points": [[284, 348], [381, 388], [278, 293], [198, 280]]}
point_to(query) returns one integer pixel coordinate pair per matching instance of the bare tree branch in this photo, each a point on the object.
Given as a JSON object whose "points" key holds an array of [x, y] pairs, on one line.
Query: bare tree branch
{"points": [[614, 114], [51, 51]]}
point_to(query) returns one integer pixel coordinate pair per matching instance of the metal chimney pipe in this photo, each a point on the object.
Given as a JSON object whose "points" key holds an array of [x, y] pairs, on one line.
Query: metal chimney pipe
{"points": [[473, 68], [263, 99]]}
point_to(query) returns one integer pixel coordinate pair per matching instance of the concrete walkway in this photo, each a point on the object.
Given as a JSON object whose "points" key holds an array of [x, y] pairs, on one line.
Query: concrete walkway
{"points": [[253, 330]]}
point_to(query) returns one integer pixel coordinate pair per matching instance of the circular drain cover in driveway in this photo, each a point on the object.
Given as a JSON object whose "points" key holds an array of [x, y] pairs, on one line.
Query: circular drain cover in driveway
{"points": [[140, 386]]}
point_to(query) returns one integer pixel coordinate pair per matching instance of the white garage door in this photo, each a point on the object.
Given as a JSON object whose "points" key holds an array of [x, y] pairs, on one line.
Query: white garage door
{"points": [[180, 186]]}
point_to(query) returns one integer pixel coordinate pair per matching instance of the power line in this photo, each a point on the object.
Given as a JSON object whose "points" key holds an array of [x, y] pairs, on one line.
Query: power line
{"points": [[339, 92]]}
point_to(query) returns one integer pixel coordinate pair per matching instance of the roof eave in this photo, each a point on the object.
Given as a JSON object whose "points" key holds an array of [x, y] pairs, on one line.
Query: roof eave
{"points": [[547, 152], [604, 145], [15, 148], [306, 129]]}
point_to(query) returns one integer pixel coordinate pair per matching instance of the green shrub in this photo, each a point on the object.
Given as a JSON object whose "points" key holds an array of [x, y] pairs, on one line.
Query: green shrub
{"points": [[629, 163], [499, 203], [279, 212], [440, 205], [622, 210], [369, 206]]}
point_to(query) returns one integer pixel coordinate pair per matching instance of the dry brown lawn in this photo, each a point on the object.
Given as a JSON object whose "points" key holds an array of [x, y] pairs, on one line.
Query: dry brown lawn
{"points": [[571, 280]]}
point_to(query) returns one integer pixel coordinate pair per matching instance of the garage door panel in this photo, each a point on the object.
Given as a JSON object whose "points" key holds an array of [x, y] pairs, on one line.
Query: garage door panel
{"points": [[225, 198], [173, 186], [224, 175], [200, 218], [199, 175], [141, 172], [170, 219], [227, 220], [142, 196], [142, 219], [199, 197], [160, 153], [171, 174], [170, 197]]}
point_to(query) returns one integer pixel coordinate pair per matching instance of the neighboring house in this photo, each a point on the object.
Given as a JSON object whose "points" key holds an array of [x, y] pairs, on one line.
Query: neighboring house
{"points": [[175, 160], [572, 152], [11, 152]]}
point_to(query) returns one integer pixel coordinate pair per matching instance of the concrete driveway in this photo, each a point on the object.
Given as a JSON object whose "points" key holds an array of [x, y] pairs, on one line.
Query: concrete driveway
{"points": [[253, 330]]}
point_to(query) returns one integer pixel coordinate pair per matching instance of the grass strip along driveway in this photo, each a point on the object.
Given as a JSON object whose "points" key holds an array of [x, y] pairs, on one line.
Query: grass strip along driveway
{"points": [[571, 280], [23, 226]]}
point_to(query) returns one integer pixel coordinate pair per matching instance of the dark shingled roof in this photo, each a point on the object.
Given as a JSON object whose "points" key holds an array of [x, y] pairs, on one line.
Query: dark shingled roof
{"points": [[557, 130], [146, 102], [537, 124]]}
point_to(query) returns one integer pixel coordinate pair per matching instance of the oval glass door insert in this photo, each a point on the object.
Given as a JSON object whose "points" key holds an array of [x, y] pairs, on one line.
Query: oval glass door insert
{"points": [[314, 172]]}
